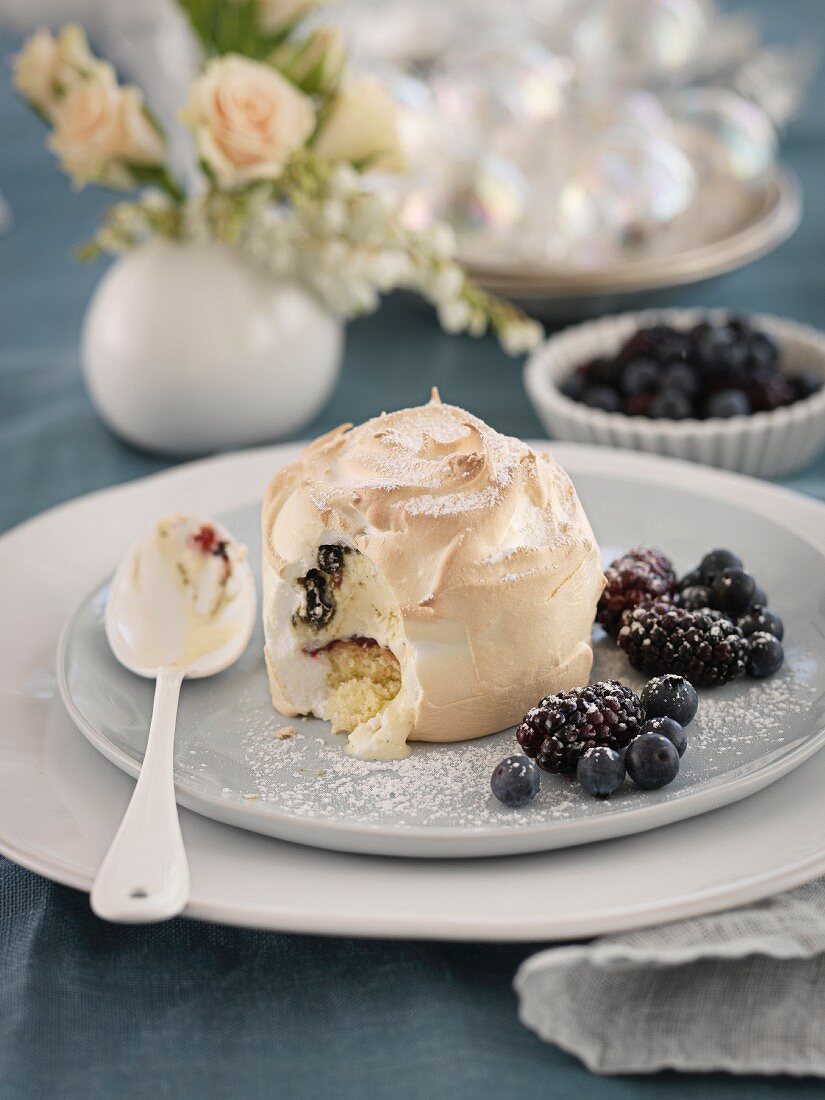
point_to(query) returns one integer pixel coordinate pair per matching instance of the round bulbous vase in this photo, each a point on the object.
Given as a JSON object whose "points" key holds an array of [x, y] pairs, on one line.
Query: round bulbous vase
{"points": [[190, 348]]}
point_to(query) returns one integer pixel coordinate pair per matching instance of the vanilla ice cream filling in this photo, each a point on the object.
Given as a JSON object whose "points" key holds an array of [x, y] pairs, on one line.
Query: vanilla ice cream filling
{"points": [[343, 651]]}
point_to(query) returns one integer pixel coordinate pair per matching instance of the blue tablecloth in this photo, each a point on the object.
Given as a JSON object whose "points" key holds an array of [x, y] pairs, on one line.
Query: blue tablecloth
{"points": [[91, 1010]]}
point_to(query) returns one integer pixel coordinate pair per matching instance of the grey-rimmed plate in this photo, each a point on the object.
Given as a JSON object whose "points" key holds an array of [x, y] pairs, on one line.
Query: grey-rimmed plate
{"points": [[231, 764], [729, 226]]}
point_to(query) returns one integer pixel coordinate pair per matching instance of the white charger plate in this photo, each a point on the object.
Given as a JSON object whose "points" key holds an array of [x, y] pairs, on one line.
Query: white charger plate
{"points": [[60, 801], [229, 764]]}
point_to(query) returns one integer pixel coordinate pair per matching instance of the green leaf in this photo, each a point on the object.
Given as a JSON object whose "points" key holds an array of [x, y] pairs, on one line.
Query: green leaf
{"points": [[231, 27]]}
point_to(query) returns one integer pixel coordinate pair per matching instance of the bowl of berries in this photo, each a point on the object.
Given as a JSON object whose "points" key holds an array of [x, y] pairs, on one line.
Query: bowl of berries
{"points": [[742, 393]]}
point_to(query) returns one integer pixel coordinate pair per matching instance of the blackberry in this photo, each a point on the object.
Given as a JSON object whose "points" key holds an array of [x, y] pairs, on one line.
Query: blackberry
{"points": [[705, 648], [628, 584], [560, 730], [658, 561]]}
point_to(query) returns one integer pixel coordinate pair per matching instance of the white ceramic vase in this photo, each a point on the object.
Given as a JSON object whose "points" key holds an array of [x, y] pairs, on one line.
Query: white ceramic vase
{"points": [[190, 348]]}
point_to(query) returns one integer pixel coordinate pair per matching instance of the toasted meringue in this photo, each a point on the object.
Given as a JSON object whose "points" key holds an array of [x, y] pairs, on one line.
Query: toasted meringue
{"points": [[467, 567]]}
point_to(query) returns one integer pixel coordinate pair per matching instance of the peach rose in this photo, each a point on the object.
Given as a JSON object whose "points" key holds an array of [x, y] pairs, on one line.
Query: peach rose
{"points": [[100, 129], [362, 127], [247, 119], [47, 67]]}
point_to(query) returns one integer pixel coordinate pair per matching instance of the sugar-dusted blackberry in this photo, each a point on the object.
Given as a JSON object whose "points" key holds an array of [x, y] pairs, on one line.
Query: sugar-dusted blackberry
{"points": [[705, 648], [629, 582], [560, 730], [656, 559]]}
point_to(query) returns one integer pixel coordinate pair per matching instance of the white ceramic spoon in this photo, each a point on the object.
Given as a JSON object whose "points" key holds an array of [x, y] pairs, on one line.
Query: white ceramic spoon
{"points": [[144, 875]]}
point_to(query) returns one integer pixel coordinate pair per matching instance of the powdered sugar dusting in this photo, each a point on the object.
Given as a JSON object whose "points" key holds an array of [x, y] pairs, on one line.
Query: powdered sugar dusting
{"points": [[447, 786]]}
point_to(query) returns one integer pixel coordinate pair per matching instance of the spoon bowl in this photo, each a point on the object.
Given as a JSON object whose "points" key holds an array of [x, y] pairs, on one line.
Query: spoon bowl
{"points": [[182, 606]]}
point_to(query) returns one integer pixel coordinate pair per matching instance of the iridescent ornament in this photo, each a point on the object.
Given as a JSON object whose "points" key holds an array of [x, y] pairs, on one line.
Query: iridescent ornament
{"points": [[505, 81], [724, 132], [621, 192], [639, 41], [495, 199]]}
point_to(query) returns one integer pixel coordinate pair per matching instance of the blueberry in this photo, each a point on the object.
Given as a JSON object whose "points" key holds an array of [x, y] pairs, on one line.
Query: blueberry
{"points": [[573, 386], [670, 729], [601, 771], [689, 580], [603, 371], [805, 384], [765, 655], [516, 780], [331, 558], [682, 377], [715, 562], [760, 597], [760, 620], [763, 353], [652, 761], [728, 403], [732, 591], [320, 601], [738, 322], [721, 349], [640, 376], [602, 397], [671, 405], [670, 696], [694, 597]]}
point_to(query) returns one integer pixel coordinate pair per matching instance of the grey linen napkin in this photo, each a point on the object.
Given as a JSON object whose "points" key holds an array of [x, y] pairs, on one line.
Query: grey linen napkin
{"points": [[742, 991]]}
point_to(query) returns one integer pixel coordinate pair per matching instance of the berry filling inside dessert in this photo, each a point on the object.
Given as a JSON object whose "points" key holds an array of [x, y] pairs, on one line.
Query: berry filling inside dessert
{"points": [[346, 626]]}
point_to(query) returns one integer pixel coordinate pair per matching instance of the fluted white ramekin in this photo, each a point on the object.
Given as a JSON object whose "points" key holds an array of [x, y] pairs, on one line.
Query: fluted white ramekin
{"points": [[766, 444]]}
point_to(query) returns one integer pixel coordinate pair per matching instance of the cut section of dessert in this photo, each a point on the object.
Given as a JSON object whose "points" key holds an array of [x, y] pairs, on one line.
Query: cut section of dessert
{"points": [[424, 578]]}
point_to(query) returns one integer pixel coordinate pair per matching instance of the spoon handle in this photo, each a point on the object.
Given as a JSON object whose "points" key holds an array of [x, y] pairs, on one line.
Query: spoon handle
{"points": [[145, 874]]}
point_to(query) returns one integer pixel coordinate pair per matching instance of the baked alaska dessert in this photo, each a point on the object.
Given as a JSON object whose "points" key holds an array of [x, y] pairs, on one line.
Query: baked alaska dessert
{"points": [[424, 578]]}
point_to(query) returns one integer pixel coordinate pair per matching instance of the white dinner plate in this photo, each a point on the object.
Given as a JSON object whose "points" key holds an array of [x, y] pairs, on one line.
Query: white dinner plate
{"points": [[60, 801], [437, 803]]}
